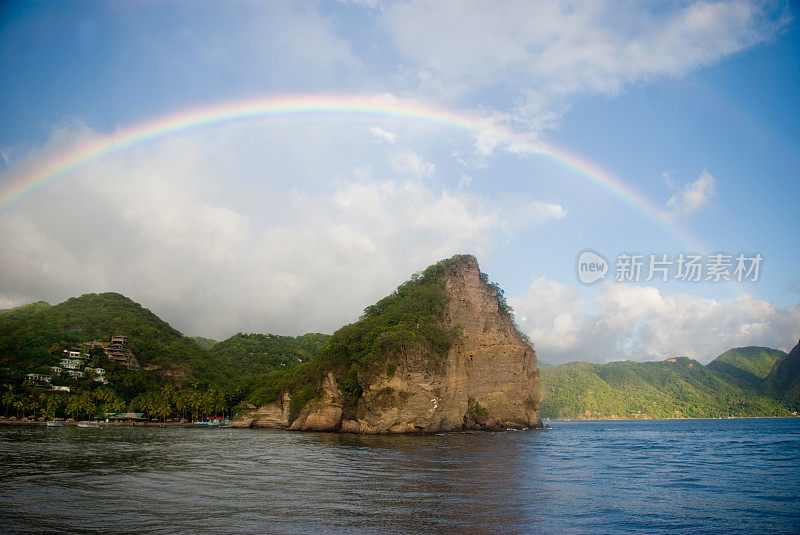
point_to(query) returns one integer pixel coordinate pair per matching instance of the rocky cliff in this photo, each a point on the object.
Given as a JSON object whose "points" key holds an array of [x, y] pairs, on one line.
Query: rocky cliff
{"points": [[482, 375]]}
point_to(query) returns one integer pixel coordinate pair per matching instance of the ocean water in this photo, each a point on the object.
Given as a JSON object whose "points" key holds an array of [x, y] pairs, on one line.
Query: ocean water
{"points": [[677, 476]]}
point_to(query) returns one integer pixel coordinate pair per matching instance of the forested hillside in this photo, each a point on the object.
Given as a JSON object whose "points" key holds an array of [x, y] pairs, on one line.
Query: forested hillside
{"points": [[169, 374], [677, 387]]}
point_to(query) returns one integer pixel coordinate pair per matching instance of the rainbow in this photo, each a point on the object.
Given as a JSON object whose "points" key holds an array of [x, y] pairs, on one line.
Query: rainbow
{"points": [[310, 105]]}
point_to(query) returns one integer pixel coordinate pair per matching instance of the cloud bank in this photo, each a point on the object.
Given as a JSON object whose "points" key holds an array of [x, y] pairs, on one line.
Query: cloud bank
{"points": [[625, 322], [219, 243], [540, 55]]}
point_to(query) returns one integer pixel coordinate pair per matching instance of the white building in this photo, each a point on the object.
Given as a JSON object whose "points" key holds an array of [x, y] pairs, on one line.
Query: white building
{"points": [[38, 378], [70, 364]]}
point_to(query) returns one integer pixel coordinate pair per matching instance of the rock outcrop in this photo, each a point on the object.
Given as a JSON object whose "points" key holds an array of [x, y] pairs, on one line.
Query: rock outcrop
{"points": [[323, 414], [273, 415], [487, 379]]}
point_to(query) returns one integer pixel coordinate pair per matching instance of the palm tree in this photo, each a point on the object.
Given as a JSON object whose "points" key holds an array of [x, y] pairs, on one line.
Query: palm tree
{"points": [[8, 401]]}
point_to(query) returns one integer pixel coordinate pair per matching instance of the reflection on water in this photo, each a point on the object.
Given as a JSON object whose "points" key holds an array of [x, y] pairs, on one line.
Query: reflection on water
{"points": [[650, 477]]}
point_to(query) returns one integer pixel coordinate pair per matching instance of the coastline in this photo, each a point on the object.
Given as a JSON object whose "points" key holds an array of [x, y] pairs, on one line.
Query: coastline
{"points": [[665, 419], [102, 423], [7, 422]]}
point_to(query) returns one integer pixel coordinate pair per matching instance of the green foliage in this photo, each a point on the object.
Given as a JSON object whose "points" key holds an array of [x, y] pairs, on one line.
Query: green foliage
{"points": [[409, 321], [205, 343], [183, 379], [783, 380], [746, 366], [672, 388], [477, 412], [188, 403], [351, 390], [500, 294], [7, 317], [254, 354], [26, 342], [300, 398]]}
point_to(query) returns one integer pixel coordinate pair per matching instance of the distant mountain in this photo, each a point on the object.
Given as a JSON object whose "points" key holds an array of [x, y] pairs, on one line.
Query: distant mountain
{"points": [[784, 378], [163, 373], [27, 335], [746, 366], [9, 316], [249, 354], [205, 343], [676, 387]]}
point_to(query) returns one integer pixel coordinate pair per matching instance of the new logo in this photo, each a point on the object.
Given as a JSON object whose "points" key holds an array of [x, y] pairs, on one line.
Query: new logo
{"points": [[591, 267]]}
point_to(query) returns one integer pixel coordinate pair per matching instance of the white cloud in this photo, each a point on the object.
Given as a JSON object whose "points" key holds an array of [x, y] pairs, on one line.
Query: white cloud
{"points": [[382, 134], [538, 54], [406, 163], [641, 323], [218, 241], [276, 45], [693, 196]]}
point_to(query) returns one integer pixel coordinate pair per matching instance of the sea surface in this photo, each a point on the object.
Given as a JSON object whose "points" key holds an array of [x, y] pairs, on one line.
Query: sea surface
{"points": [[674, 476]]}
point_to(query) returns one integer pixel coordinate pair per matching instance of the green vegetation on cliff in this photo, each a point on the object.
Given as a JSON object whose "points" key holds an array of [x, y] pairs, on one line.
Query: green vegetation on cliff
{"points": [[409, 321]]}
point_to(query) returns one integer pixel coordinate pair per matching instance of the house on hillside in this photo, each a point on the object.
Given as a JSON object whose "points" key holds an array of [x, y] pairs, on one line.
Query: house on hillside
{"points": [[118, 350], [70, 364], [38, 378]]}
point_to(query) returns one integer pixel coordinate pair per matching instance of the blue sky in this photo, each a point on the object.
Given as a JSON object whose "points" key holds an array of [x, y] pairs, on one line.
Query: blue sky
{"points": [[294, 224]]}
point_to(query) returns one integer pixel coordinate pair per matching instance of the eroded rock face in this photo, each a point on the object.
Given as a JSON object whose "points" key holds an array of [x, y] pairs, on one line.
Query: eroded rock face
{"points": [[324, 414], [488, 379], [274, 415]]}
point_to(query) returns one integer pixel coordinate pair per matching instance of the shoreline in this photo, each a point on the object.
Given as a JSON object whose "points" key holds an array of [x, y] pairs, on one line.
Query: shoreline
{"points": [[665, 419], [100, 423], [103, 423]]}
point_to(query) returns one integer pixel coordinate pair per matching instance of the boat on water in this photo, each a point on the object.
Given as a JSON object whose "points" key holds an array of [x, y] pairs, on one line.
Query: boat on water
{"points": [[88, 425], [52, 423]]}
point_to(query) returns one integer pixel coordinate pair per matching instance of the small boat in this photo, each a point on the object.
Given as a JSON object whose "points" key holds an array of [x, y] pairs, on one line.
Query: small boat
{"points": [[88, 425], [52, 423]]}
